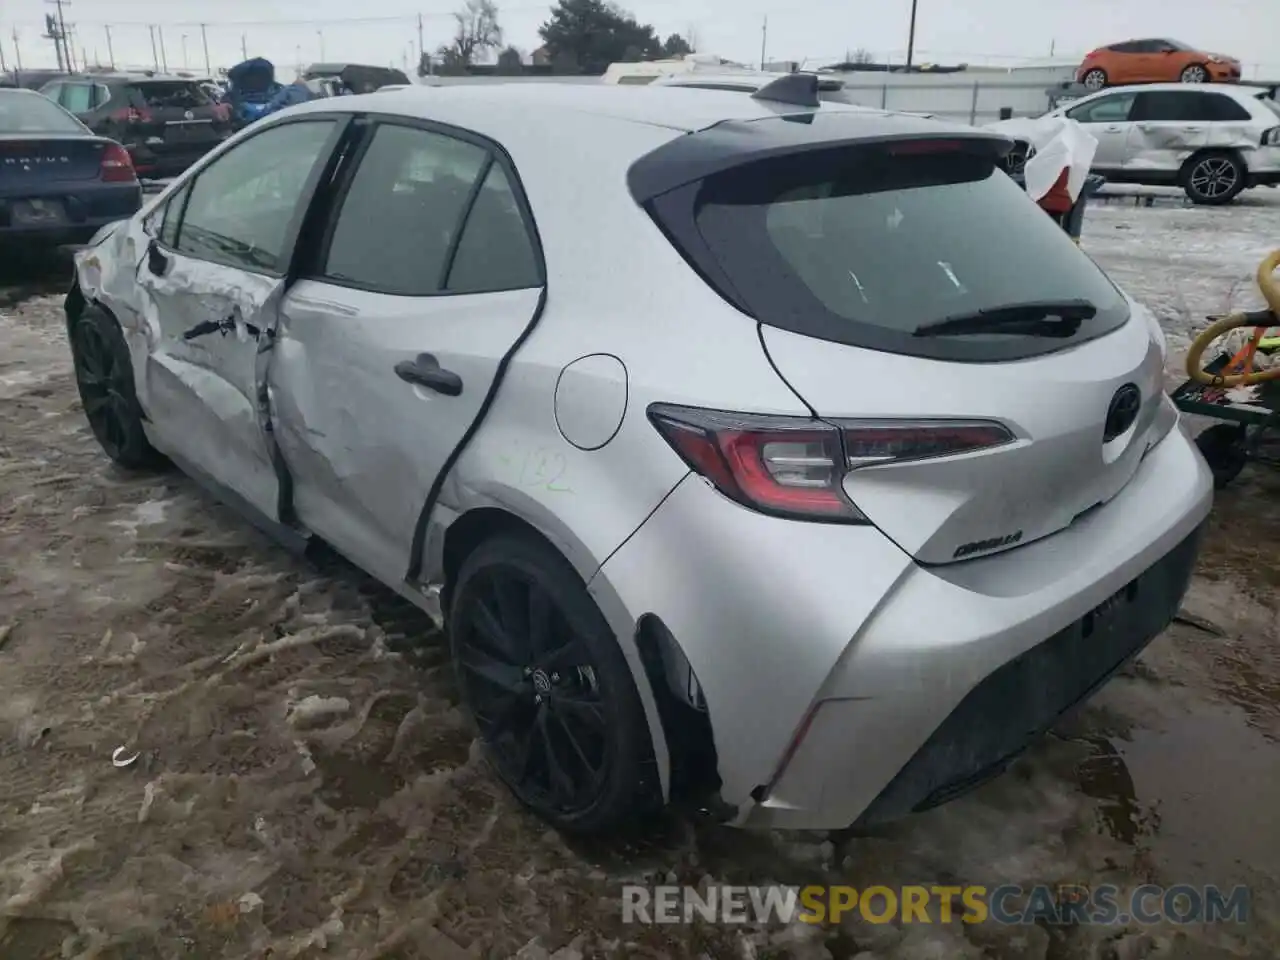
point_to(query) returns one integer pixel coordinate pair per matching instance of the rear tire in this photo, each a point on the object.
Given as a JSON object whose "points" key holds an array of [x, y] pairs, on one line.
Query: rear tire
{"points": [[104, 378], [1223, 449], [543, 676], [1094, 79], [1213, 179], [1195, 73]]}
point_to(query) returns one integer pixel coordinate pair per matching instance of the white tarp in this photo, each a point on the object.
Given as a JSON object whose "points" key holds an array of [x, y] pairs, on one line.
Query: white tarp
{"points": [[1058, 143]]}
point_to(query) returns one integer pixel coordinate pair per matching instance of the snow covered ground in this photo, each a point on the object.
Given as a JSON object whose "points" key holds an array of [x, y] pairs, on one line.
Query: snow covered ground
{"points": [[304, 783]]}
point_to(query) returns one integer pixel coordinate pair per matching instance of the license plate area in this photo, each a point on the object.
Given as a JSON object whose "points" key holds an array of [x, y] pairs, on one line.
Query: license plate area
{"points": [[1113, 613], [38, 213]]}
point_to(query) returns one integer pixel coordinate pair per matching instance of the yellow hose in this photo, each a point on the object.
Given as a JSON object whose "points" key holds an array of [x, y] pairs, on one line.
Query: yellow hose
{"points": [[1271, 293]]}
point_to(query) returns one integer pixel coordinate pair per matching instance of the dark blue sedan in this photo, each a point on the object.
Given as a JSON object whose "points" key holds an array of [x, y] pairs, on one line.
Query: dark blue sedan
{"points": [[58, 182]]}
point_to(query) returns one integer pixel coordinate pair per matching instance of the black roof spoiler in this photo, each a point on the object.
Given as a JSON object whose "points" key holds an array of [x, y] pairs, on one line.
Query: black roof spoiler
{"points": [[797, 89]]}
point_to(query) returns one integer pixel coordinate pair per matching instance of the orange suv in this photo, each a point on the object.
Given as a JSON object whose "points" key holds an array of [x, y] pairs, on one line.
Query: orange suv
{"points": [[1155, 61]]}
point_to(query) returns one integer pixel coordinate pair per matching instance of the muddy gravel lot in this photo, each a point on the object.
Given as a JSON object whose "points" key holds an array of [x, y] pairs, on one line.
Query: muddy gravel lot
{"points": [[305, 785]]}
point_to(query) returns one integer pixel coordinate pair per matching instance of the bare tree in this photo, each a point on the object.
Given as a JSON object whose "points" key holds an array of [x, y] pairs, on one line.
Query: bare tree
{"points": [[477, 31], [862, 55]]}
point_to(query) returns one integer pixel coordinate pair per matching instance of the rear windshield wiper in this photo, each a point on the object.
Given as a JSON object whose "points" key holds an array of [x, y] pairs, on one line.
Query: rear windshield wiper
{"points": [[1036, 318]]}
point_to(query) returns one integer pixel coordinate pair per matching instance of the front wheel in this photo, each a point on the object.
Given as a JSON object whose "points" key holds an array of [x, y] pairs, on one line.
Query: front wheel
{"points": [[104, 377], [1213, 179], [549, 688], [1095, 79], [1196, 73]]}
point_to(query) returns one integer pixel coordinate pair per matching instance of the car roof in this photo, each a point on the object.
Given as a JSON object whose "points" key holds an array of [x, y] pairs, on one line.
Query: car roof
{"points": [[1231, 89], [122, 77], [493, 108]]}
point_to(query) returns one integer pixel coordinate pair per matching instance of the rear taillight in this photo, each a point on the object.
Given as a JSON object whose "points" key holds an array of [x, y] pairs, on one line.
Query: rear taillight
{"points": [[117, 165], [131, 115], [795, 466], [221, 112]]}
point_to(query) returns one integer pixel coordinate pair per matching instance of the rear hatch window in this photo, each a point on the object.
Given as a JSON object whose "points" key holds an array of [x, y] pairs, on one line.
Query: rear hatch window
{"points": [[170, 94], [913, 247], [29, 113]]}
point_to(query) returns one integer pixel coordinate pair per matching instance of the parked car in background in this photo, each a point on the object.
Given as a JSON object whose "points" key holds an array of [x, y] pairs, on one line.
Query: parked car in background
{"points": [[33, 79], [1155, 61], [1212, 141], [59, 183], [691, 535], [166, 123]]}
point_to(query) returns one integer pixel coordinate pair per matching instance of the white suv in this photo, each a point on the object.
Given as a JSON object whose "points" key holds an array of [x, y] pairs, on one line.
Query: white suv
{"points": [[1211, 141]]}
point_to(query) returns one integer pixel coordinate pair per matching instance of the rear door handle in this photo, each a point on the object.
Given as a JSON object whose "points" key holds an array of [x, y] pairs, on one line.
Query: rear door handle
{"points": [[426, 371]]}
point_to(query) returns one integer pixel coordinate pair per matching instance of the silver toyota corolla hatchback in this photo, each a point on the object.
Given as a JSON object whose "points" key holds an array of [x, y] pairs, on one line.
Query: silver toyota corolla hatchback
{"points": [[779, 460]]}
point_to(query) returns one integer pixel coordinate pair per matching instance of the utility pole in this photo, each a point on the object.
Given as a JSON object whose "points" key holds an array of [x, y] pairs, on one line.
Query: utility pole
{"points": [[204, 39], [155, 57], [4, 67], [66, 58], [421, 48], [764, 40], [320, 34], [51, 32], [111, 53], [17, 57], [184, 51], [244, 47], [164, 57], [911, 36]]}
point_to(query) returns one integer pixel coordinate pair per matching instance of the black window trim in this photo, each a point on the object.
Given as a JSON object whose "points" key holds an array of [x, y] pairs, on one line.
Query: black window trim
{"points": [[327, 159], [312, 266]]}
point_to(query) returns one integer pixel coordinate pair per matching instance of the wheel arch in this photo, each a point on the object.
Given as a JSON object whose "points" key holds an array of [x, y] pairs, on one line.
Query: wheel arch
{"points": [[479, 524]]}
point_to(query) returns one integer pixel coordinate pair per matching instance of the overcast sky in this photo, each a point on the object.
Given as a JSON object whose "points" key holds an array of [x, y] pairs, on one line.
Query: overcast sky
{"points": [[991, 31]]}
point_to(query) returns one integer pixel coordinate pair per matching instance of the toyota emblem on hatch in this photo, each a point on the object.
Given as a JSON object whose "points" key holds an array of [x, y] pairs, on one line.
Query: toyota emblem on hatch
{"points": [[1122, 412], [188, 115]]}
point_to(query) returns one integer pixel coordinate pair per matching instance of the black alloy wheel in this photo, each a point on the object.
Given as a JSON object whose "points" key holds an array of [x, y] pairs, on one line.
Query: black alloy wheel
{"points": [[548, 686], [104, 377]]}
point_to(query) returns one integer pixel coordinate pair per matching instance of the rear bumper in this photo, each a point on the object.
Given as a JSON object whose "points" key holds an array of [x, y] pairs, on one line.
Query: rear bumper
{"points": [[845, 682], [1223, 72], [88, 209]]}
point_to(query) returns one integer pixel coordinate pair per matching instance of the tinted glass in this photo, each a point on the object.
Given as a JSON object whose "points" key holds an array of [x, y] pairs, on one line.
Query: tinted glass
{"points": [[1187, 107], [865, 246], [181, 94], [23, 112], [1112, 109], [495, 251], [400, 215], [172, 214], [241, 206], [77, 97]]}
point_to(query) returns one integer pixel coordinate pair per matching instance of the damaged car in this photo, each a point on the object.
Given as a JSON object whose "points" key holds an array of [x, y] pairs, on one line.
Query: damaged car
{"points": [[737, 476], [1212, 141]]}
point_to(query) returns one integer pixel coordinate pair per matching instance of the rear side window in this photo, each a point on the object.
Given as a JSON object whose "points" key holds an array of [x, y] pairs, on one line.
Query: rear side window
{"points": [[1187, 107], [77, 97], [22, 112], [495, 251], [397, 223], [158, 94], [864, 246]]}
